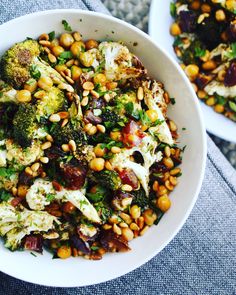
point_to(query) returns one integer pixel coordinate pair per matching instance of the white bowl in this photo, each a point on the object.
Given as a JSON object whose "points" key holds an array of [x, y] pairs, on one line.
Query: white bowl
{"points": [[159, 29], [186, 113]]}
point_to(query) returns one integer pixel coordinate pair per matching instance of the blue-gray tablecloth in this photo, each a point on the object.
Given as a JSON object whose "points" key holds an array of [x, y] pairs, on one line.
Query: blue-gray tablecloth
{"points": [[201, 259]]}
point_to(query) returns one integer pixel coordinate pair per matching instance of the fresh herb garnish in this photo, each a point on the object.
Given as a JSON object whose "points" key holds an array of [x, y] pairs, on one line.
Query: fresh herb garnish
{"points": [[67, 27], [232, 105], [232, 53], [4, 195], [50, 197], [34, 72], [64, 56], [199, 52], [95, 248], [172, 9], [220, 99], [6, 172], [33, 254], [172, 100], [178, 41], [51, 35]]}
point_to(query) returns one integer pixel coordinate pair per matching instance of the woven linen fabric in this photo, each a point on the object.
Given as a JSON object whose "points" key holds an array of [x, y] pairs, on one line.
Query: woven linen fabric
{"points": [[200, 259]]}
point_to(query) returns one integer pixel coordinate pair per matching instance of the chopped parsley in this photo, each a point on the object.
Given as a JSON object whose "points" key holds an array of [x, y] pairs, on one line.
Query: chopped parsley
{"points": [[172, 100], [232, 105], [232, 53], [4, 195], [67, 27], [50, 197], [64, 56], [51, 35], [172, 9], [199, 52], [34, 72], [95, 248]]}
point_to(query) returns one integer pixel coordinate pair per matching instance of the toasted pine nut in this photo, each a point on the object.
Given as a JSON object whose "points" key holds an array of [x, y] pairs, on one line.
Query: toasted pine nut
{"points": [[70, 63], [169, 185], [101, 128], [140, 94], [66, 87], [173, 126], [92, 130], [45, 43], [143, 231], [52, 58], [126, 188], [88, 85], [54, 118], [67, 72], [85, 92], [134, 226], [64, 122], [126, 217], [167, 151], [116, 229], [65, 147], [84, 101], [123, 225], [113, 219], [49, 138], [115, 150], [95, 94], [175, 171], [140, 222], [173, 180], [76, 36], [44, 37], [46, 145], [70, 80], [155, 186], [43, 174], [44, 160], [87, 127], [72, 145], [127, 234], [14, 191], [107, 226], [35, 167], [28, 171], [108, 165]]}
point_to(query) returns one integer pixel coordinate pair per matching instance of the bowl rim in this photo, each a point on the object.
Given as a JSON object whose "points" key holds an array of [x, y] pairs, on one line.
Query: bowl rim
{"points": [[202, 136]]}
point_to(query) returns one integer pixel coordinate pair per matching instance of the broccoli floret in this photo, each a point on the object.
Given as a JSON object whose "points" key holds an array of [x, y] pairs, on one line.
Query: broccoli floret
{"points": [[104, 210], [7, 113], [25, 125], [15, 63], [64, 134], [107, 179], [52, 102], [140, 198], [111, 119], [22, 62]]}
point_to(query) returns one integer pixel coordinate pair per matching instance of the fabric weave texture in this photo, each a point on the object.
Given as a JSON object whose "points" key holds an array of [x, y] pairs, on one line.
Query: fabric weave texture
{"points": [[200, 259]]}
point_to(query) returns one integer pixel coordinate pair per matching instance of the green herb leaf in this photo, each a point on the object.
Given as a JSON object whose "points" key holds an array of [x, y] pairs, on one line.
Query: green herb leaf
{"points": [[172, 9], [51, 35], [6, 172], [64, 56], [199, 52], [34, 72], [232, 53], [172, 100], [67, 27], [220, 99], [4, 195], [144, 118], [95, 248], [232, 105], [178, 41], [50, 197]]}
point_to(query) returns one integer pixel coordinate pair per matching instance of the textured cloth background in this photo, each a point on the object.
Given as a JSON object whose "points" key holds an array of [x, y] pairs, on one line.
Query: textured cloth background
{"points": [[136, 12], [201, 259]]}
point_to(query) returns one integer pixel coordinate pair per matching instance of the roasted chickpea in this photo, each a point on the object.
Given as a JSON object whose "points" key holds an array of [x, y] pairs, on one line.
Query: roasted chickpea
{"points": [[99, 151], [77, 47], [97, 164], [23, 96], [57, 50], [75, 72], [45, 83], [100, 79], [91, 44], [86, 59], [163, 203], [64, 252], [31, 85], [175, 29], [66, 40]]}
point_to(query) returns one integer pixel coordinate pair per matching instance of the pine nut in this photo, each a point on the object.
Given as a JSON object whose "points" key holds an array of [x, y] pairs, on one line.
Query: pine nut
{"points": [[101, 128], [108, 165], [47, 50], [115, 150], [66, 87], [54, 118], [65, 147], [45, 43], [168, 185], [63, 115], [72, 145], [67, 72], [175, 171], [14, 191], [95, 94], [64, 122], [127, 234], [35, 167], [76, 36], [168, 162], [155, 186], [107, 226], [123, 225], [173, 180], [116, 229], [49, 138], [140, 222], [70, 63], [28, 171], [135, 211], [70, 80], [173, 126], [44, 160], [85, 92], [52, 58], [88, 85], [127, 188], [113, 219], [43, 174], [126, 217], [140, 94], [87, 127], [92, 130], [167, 151], [46, 145], [134, 226], [84, 101], [144, 230]]}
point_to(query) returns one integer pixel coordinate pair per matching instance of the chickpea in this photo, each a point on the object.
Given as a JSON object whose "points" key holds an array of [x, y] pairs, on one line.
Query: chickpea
{"points": [[97, 164], [127, 234], [45, 83], [152, 115], [64, 252], [66, 40], [22, 191], [23, 96], [149, 216], [209, 65], [220, 15], [201, 94], [162, 190], [192, 71], [100, 79], [77, 47], [210, 101], [116, 135], [75, 72], [163, 203], [68, 207], [91, 44], [99, 151], [195, 5], [175, 29], [219, 108], [31, 85], [57, 50], [206, 8], [86, 59]]}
